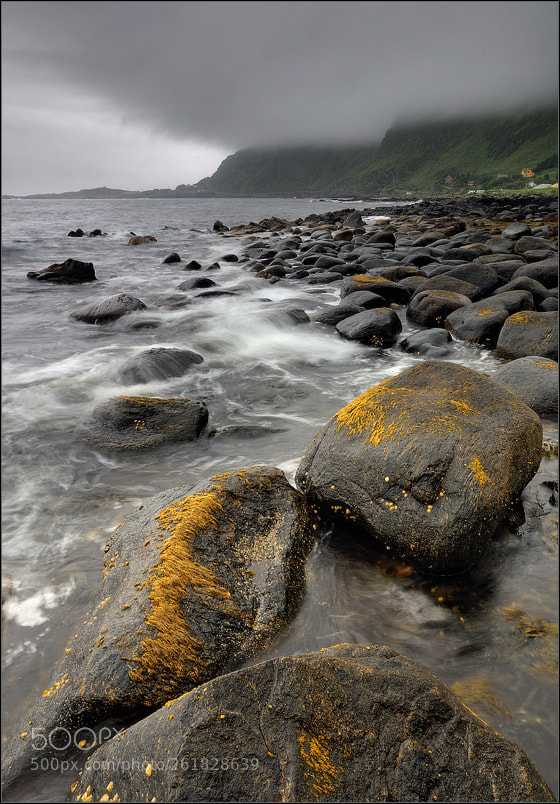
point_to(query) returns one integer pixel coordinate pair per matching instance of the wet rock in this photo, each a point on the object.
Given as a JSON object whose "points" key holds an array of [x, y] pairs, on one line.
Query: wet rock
{"points": [[157, 363], [363, 298], [109, 309], [537, 290], [482, 321], [376, 327], [132, 423], [443, 281], [430, 308], [392, 292], [529, 333], [534, 380], [332, 315], [193, 265], [171, 258], [220, 227], [140, 240], [347, 723], [427, 463], [69, 272], [529, 243], [195, 582], [544, 271], [484, 277], [76, 233], [516, 230], [430, 343], [197, 282], [97, 233]]}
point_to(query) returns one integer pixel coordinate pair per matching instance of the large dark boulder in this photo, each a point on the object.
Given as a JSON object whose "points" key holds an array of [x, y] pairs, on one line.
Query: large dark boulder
{"points": [[109, 309], [158, 363], [392, 292], [484, 277], [431, 307], [534, 380], [482, 321], [197, 581], [139, 422], [332, 315], [529, 333], [377, 327], [69, 272], [431, 343], [544, 271], [452, 284], [427, 462], [345, 724]]}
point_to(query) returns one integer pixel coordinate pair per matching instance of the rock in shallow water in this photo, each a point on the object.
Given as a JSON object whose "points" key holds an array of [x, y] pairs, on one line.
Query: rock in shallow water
{"points": [[196, 581], [427, 462], [347, 723]]}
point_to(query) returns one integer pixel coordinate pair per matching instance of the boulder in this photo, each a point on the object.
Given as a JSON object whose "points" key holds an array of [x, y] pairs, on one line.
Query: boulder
{"points": [[347, 723], [534, 380], [427, 462], [138, 422], [530, 243], [516, 230], [333, 315], [392, 292], [484, 277], [431, 307], [431, 343], [482, 321], [157, 363], [544, 271], [108, 309], [376, 327], [529, 333], [197, 282], [140, 240], [76, 233], [69, 272], [450, 283], [171, 258], [363, 298], [197, 581]]}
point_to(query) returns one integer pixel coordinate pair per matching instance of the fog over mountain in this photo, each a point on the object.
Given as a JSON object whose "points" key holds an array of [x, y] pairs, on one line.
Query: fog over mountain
{"points": [[154, 94]]}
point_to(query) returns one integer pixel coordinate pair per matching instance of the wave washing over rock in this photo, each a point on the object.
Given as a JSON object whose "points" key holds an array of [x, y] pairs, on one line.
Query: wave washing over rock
{"points": [[328, 446]]}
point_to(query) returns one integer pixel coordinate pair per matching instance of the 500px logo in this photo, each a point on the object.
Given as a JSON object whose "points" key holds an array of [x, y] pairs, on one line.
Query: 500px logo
{"points": [[61, 739]]}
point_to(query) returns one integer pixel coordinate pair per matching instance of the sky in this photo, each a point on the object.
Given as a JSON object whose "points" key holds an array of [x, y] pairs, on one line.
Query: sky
{"points": [[142, 95]]}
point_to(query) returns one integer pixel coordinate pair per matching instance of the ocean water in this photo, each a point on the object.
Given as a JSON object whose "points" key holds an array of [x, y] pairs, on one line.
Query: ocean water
{"points": [[62, 500]]}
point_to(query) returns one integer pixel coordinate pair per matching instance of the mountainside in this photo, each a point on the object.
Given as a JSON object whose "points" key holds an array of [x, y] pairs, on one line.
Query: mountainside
{"points": [[428, 159], [411, 158]]}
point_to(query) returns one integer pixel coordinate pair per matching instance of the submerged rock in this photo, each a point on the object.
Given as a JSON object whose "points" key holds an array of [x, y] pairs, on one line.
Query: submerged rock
{"points": [[195, 582], [346, 723], [133, 422], [108, 309], [427, 462], [158, 363]]}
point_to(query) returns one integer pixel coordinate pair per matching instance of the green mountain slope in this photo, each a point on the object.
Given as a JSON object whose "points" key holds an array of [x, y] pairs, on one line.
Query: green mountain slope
{"points": [[413, 158]]}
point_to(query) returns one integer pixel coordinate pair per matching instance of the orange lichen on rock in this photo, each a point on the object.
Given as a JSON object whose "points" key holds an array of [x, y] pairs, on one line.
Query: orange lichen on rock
{"points": [[387, 413], [324, 776], [173, 652]]}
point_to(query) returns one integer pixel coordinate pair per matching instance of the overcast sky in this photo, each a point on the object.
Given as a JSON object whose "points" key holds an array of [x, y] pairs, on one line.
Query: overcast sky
{"points": [[138, 95]]}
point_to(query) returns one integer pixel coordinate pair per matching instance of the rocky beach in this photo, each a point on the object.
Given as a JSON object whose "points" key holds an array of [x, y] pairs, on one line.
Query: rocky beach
{"points": [[432, 472]]}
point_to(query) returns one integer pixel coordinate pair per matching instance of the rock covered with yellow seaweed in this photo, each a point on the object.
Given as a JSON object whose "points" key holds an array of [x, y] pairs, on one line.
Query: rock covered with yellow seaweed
{"points": [[195, 582], [428, 462], [346, 723]]}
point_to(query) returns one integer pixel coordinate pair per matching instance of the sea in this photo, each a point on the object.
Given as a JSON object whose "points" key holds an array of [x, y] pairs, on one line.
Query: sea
{"points": [[491, 634]]}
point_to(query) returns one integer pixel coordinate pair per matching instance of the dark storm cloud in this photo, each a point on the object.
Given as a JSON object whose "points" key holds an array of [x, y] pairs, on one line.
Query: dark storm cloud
{"points": [[256, 72], [115, 85]]}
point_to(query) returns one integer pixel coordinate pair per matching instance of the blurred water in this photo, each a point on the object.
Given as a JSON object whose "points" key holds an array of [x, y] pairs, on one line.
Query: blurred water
{"points": [[62, 500]]}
